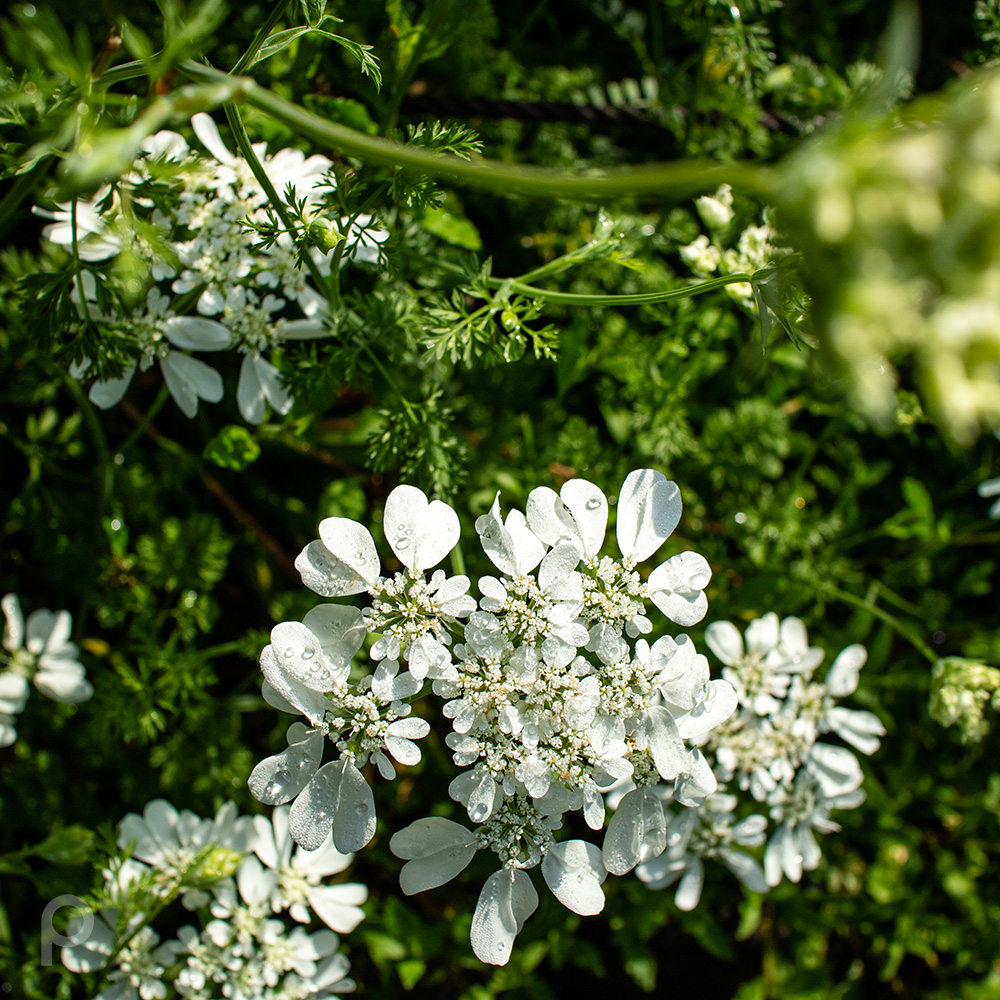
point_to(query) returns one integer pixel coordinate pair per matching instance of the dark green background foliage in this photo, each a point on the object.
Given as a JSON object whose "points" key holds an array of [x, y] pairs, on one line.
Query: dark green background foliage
{"points": [[171, 541]]}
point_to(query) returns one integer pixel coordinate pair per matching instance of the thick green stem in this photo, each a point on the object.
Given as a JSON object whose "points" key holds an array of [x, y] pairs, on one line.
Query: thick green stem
{"points": [[676, 180]]}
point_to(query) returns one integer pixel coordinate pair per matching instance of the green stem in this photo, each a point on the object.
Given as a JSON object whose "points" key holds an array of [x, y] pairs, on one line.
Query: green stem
{"points": [[246, 60], [257, 168], [575, 299], [161, 397], [891, 620], [677, 180]]}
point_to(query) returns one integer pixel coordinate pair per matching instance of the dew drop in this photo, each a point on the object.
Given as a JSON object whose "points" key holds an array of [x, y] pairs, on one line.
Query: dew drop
{"points": [[500, 946], [289, 652], [581, 878], [593, 503], [402, 542], [478, 814], [360, 558], [308, 653]]}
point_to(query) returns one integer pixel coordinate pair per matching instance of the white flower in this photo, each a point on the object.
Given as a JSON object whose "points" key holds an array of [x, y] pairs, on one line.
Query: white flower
{"points": [[38, 650], [293, 881], [95, 240], [183, 849], [710, 832], [158, 332]]}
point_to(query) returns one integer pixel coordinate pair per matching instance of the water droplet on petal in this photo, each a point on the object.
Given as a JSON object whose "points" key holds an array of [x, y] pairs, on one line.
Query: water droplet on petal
{"points": [[360, 558], [593, 503], [581, 877], [289, 652], [308, 653], [500, 946], [402, 542]]}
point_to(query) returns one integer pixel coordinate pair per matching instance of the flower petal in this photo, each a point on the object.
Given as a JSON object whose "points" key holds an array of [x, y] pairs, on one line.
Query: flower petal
{"points": [[574, 871], [507, 900], [649, 508]]}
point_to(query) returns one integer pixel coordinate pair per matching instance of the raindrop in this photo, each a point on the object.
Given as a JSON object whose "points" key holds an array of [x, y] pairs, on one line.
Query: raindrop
{"points": [[581, 878], [361, 808], [402, 542], [478, 814], [500, 946], [593, 503], [289, 652], [360, 558]]}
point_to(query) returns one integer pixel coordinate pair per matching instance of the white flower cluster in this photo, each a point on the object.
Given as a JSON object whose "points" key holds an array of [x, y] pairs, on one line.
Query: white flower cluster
{"points": [[38, 650], [243, 300], [239, 874], [771, 749], [755, 246], [553, 694]]}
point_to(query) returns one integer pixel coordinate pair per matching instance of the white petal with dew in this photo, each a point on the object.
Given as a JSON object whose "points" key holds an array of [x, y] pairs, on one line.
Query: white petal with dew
{"points": [[649, 508], [353, 545], [300, 654], [280, 778], [507, 900], [574, 871]]}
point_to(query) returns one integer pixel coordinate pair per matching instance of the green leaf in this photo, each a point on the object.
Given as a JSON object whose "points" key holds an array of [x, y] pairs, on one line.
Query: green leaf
{"points": [[232, 448], [69, 845], [410, 971], [451, 228]]}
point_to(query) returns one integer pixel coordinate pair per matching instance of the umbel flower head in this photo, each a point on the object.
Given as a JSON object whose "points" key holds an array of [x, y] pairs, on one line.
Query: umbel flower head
{"points": [[198, 257], [238, 875], [897, 225], [552, 695]]}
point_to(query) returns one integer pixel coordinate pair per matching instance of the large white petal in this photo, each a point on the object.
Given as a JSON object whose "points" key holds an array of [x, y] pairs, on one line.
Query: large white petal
{"points": [[435, 849], [194, 333], [574, 871], [189, 380], [300, 655], [354, 823], [312, 814], [549, 518], [507, 900], [208, 132], [689, 890], [280, 778], [353, 545], [250, 393], [311, 704], [649, 508], [724, 639], [420, 533], [842, 678], [338, 906], [111, 391], [341, 631], [665, 742], [588, 507]]}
